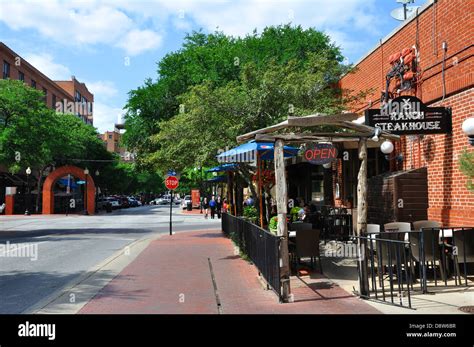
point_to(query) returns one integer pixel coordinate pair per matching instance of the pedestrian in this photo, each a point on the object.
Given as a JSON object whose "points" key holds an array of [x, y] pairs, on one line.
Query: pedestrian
{"points": [[219, 207], [225, 206], [213, 205], [205, 206]]}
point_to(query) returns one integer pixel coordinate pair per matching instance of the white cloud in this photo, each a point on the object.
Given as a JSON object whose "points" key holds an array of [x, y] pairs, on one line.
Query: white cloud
{"points": [[135, 26], [139, 41], [106, 116], [102, 89], [79, 23], [44, 63]]}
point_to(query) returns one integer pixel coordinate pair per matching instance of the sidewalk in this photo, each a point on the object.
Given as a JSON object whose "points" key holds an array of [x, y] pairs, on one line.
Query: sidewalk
{"points": [[172, 275]]}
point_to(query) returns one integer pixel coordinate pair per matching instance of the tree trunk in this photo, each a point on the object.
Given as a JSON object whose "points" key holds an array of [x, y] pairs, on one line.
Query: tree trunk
{"points": [[282, 228], [39, 186], [362, 218]]}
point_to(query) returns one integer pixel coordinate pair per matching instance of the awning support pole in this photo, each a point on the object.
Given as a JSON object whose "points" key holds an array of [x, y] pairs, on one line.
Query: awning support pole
{"points": [[362, 218], [282, 228]]}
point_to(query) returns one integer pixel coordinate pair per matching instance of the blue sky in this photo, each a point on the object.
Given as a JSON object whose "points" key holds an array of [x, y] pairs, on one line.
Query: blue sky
{"points": [[113, 45]]}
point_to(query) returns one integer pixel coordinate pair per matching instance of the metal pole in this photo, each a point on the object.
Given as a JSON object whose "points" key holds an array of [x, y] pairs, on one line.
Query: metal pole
{"points": [[171, 210], [85, 197], [200, 188], [28, 196]]}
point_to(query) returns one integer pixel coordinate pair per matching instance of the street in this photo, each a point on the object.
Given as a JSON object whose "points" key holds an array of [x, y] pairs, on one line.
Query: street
{"points": [[70, 248]]}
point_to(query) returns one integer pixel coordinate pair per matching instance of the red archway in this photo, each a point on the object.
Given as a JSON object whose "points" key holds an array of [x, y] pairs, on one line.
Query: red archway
{"points": [[48, 195]]}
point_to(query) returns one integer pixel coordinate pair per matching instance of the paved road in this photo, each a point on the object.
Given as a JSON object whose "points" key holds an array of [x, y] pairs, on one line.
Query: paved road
{"points": [[68, 247]]}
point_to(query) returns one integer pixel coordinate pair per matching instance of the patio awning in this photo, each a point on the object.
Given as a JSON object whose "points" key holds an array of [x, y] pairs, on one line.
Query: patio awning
{"points": [[223, 167], [247, 152], [218, 179]]}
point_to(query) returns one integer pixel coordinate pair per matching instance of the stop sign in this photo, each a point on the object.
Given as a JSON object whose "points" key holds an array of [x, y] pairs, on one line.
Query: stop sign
{"points": [[171, 183]]}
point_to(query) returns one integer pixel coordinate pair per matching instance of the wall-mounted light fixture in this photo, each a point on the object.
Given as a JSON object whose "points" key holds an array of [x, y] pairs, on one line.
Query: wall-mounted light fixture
{"points": [[468, 128], [387, 148]]}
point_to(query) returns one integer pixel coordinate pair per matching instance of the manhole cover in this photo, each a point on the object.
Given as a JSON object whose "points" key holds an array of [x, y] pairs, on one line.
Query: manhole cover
{"points": [[467, 309]]}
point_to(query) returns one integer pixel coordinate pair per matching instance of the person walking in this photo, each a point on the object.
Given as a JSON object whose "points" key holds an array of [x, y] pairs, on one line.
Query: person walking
{"points": [[213, 205], [219, 207], [205, 206]]}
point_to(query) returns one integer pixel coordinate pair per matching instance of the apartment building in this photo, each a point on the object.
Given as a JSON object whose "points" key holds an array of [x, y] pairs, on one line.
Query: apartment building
{"points": [[69, 96]]}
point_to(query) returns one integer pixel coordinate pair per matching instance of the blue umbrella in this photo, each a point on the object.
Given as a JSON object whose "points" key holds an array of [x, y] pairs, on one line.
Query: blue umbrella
{"points": [[247, 152]]}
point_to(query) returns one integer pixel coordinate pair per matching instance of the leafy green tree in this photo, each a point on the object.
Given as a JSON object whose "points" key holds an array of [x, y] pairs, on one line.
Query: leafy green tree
{"points": [[237, 72], [466, 165]]}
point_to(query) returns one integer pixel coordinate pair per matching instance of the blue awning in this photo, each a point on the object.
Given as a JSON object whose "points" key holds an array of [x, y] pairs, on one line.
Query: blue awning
{"points": [[223, 167], [217, 179], [248, 152]]}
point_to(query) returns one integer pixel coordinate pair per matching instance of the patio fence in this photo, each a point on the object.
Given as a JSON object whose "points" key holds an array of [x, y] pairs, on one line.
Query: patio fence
{"points": [[262, 247], [403, 263]]}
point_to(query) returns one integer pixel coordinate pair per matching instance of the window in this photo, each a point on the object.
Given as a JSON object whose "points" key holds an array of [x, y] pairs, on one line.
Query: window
{"points": [[33, 84], [78, 96], [21, 76], [6, 70], [45, 91], [54, 101], [110, 137]]}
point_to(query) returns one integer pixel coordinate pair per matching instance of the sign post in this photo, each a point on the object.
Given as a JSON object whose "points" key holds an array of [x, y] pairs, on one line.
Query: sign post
{"points": [[171, 182]]}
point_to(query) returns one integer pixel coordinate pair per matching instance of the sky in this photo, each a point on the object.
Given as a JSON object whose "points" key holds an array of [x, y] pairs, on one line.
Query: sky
{"points": [[113, 45]]}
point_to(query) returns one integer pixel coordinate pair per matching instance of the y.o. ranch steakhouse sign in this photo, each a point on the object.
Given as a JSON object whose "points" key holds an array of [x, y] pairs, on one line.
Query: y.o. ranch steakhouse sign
{"points": [[408, 115]]}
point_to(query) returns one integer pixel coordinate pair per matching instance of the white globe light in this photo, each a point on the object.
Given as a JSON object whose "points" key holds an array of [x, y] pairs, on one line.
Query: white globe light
{"points": [[386, 147], [468, 126], [28, 171], [327, 165], [86, 171]]}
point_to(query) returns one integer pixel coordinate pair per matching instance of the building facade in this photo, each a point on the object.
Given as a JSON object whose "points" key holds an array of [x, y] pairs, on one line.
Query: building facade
{"points": [[64, 96], [441, 37]]}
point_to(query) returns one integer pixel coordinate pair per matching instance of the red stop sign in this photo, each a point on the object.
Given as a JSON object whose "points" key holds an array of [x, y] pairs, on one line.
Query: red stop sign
{"points": [[171, 183]]}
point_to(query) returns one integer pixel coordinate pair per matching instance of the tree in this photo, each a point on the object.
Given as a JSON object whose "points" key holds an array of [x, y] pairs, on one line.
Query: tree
{"points": [[466, 165], [234, 74]]}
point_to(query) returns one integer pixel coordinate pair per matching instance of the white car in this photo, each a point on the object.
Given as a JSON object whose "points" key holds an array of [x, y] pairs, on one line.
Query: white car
{"points": [[165, 200], [185, 201]]}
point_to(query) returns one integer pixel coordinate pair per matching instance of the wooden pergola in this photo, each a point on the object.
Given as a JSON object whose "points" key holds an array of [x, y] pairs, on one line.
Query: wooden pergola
{"points": [[292, 130]]}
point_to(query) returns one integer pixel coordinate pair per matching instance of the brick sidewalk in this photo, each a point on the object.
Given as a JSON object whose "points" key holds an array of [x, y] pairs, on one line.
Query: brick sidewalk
{"points": [[172, 275]]}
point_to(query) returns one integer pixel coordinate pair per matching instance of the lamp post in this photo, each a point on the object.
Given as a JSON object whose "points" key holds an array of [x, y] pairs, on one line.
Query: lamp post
{"points": [[28, 196], [86, 173], [468, 128]]}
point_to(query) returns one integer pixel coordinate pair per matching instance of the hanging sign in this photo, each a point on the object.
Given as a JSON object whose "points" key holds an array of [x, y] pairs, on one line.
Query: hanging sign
{"points": [[320, 153], [408, 115]]}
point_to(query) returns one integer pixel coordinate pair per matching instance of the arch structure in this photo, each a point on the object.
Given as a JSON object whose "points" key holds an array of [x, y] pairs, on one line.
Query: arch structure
{"points": [[48, 186]]}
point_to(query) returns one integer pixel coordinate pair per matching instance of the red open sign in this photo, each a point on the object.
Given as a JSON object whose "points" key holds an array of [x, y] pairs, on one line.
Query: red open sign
{"points": [[321, 153]]}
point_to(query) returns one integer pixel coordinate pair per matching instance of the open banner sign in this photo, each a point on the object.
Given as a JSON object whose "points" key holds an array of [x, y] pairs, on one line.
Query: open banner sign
{"points": [[321, 153], [408, 115]]}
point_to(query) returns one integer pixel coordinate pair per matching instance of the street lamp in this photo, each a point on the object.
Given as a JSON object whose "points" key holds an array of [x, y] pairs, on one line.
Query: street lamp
{"points": [[468, 128], [86, 173], [28, 198]]}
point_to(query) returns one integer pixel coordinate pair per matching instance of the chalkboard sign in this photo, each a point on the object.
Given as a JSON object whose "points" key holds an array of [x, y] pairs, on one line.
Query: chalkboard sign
{"points": [[408, 115]]}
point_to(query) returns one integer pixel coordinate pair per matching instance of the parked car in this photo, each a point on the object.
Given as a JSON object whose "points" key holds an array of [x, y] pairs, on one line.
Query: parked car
{"points": [[114, 202], [124, 203], [164, 200], [102, 203], [132, 202], [185, 200]]}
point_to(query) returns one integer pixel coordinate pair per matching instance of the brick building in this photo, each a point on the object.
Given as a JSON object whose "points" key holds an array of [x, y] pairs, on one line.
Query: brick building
{"points": [[65, 96], [112, 142], [443, 34]]}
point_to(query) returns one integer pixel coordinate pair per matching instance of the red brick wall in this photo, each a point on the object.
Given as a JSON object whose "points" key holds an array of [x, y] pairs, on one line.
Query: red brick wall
{"points": [[451, 21]]}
